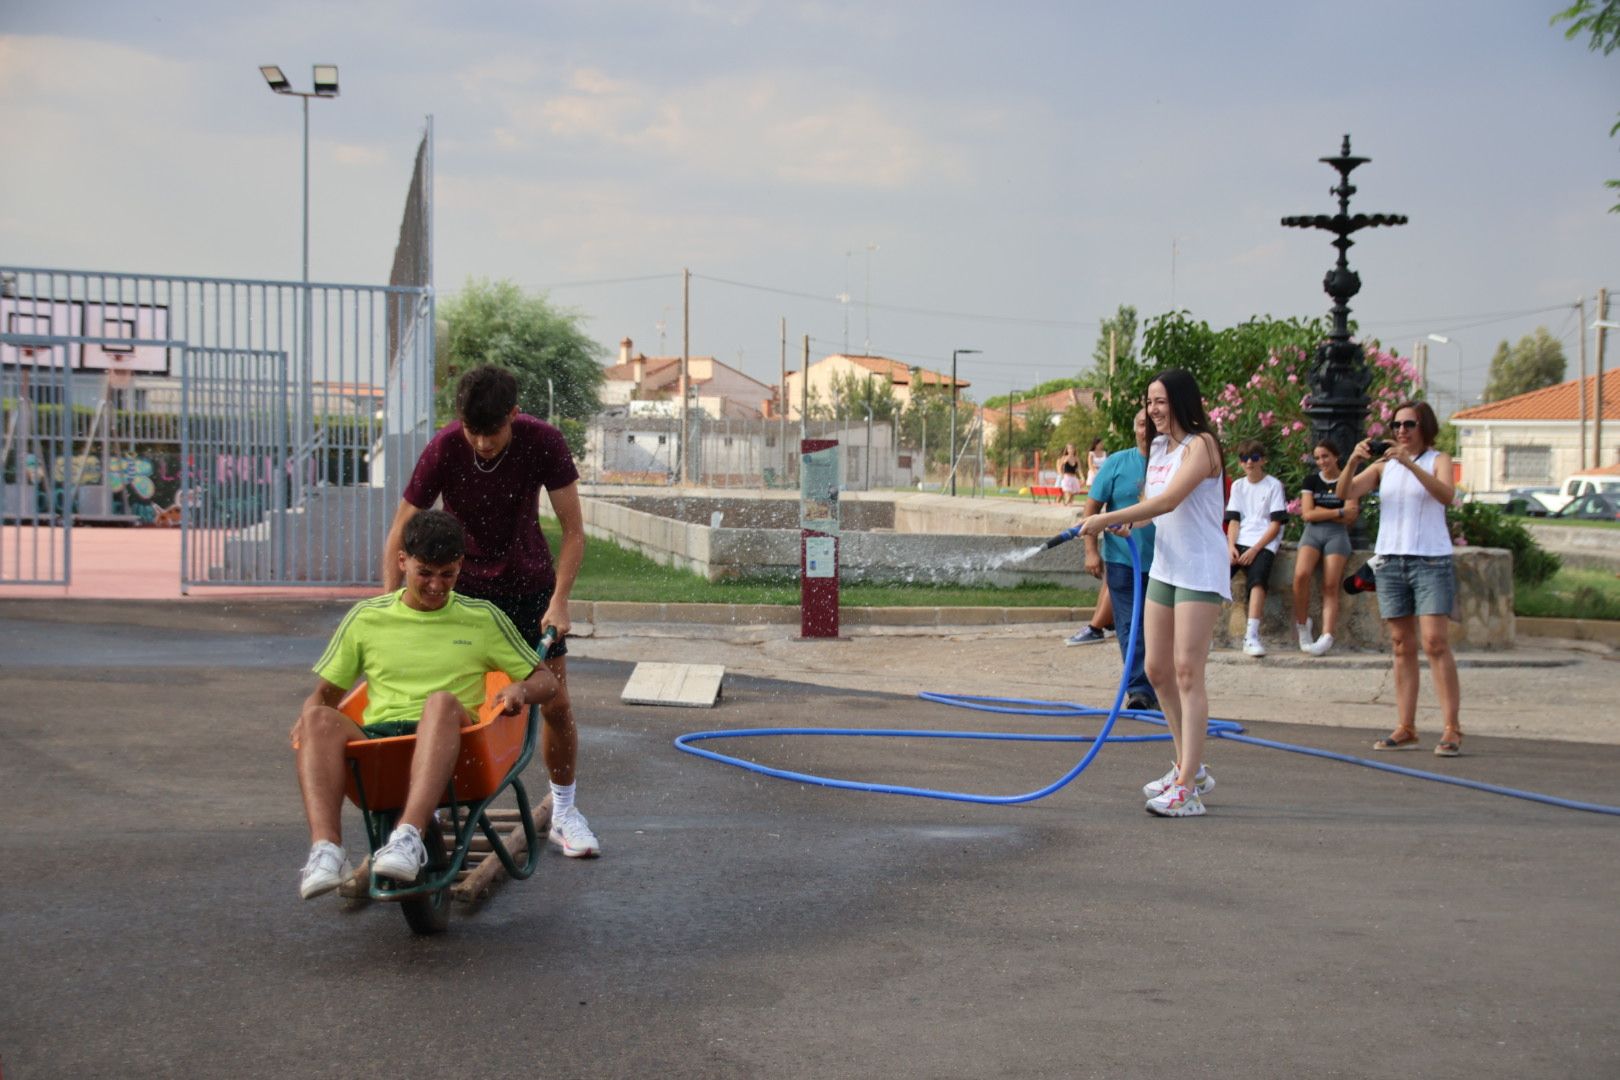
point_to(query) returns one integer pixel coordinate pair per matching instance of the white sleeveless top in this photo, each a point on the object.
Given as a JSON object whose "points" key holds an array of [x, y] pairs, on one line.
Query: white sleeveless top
{"points": [[1410, 520], [1189, 549]]}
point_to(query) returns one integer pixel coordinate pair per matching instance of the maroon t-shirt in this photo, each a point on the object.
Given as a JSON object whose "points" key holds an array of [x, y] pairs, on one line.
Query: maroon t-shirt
{"points": [[506, 552]]}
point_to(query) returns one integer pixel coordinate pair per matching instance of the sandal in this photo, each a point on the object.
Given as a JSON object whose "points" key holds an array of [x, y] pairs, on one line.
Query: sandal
{"points": [[1395, 742], [1450, 745]]}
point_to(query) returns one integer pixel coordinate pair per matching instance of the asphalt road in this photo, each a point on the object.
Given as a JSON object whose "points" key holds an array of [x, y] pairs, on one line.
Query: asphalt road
{"points": [[1322, 920]]}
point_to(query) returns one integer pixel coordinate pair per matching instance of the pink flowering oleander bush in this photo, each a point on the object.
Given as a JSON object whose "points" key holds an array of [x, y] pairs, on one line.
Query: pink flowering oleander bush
{"points": [[1269, 405]]}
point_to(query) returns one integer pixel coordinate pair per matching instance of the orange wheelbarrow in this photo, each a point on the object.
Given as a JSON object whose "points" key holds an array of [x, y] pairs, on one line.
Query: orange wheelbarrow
{"points": [[494, 750]]}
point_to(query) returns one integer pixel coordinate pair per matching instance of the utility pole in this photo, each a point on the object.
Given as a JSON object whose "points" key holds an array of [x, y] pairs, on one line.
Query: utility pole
{"points": [[804, 392], [1597, 388], [1008, 440], [686, 360], [1111, 350], [1580, 387], [782, 401]]}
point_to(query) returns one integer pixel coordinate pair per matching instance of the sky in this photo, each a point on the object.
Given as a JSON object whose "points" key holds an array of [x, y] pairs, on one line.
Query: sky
{"points": [[968, 175]]}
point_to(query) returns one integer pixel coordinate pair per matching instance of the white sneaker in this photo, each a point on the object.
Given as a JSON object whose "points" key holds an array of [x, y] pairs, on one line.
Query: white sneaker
{"points": [[1177, 801], [1252, 646], [1204, 782], [1322, 645], [571, 832], [326, 869], [1304, 630], [402, 858]]}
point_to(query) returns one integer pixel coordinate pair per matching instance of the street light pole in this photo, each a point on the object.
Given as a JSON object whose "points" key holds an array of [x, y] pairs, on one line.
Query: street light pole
{"points": [[325, 83], [1442, 339], [951, 461]]}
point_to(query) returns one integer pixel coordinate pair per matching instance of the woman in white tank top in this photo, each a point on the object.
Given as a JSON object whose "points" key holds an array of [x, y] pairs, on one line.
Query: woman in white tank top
{"points": [[1417, 581], [1189, 578]]}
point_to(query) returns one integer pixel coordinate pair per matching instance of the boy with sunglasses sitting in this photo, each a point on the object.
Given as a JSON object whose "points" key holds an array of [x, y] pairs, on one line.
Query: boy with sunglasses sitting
{"points": [[1256, 511]]}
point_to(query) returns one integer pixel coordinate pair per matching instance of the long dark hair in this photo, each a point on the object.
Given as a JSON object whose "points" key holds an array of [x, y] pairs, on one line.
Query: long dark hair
{"points": [[1187, 406]]}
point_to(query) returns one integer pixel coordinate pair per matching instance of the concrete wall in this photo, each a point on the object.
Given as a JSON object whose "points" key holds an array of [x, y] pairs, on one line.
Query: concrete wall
{"points": [[1588, 546], [772, 547], [1484, 587]]}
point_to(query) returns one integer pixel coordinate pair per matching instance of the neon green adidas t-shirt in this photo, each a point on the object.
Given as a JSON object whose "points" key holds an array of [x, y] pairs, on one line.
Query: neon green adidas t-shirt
{"points": [[405, 654]]}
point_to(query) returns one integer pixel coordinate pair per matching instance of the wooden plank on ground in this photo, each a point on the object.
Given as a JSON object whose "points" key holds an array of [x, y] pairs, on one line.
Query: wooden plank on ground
{"points": [[691, 686]]}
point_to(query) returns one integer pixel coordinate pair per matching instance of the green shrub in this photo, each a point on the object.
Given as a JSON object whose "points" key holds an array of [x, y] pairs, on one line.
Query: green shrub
{"points": [[1481, 525]]}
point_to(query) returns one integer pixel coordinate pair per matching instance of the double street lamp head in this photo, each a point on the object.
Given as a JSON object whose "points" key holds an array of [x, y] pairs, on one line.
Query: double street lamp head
{"points": [[325, 75]]}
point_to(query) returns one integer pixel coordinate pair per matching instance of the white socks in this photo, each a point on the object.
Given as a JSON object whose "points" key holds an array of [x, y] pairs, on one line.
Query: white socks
{"points": [[562, 799], [1253, 632], [1304, 631]]}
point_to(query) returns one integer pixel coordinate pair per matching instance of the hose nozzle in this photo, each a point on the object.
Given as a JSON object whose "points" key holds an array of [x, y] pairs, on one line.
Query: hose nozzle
{"points": [[1063, 537]]}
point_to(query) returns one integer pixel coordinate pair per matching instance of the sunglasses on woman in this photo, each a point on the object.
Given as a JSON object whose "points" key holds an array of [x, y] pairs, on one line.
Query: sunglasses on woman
{"points": [[1403, 425]]}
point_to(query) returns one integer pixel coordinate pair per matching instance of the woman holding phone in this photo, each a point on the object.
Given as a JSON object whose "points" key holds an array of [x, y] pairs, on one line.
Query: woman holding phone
{"points": [[1417, 579]]}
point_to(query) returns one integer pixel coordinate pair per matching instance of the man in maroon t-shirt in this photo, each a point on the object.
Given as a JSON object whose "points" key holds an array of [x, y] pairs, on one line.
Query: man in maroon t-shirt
{"points": [[488, 468]]}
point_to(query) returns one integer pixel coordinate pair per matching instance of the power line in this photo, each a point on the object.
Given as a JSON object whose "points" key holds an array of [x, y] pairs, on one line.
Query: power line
{"points": [[930, 312]]}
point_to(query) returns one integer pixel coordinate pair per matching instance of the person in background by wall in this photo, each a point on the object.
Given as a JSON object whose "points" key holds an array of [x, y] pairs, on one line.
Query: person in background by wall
{"points": [[1116, 485], [1326, 540], [1190, 579], [1069, 474], [1256, 510], [1417, 578], [1094, 459]]}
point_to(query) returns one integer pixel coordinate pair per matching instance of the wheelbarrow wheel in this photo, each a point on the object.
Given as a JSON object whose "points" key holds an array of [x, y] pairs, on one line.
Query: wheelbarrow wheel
{"points": [[429, 913]]}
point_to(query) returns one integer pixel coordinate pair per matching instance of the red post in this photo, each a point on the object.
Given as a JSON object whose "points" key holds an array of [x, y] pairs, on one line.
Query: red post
{"points": [[818, 538]]}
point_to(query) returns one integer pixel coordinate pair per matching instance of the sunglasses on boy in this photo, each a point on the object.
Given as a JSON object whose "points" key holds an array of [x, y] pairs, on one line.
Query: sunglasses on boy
{"points": [[1251, 457], [1403, 425]]}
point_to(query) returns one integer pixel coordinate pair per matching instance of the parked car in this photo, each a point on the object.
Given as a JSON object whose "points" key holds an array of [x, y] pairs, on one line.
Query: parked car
{"points": [[1532, 501], [1593, 506], [1604, 483]]}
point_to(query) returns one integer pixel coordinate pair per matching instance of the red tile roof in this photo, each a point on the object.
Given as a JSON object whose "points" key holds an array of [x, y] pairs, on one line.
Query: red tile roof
{"points": [[1552, 402], [899, 374]]}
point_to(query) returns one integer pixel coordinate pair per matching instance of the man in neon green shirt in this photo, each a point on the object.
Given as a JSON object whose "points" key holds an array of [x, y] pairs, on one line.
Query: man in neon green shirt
{"points": [[423, 652]]}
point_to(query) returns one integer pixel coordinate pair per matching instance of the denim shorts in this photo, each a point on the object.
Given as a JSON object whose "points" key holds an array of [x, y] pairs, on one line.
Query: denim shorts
{"points": [[1416, 585]]}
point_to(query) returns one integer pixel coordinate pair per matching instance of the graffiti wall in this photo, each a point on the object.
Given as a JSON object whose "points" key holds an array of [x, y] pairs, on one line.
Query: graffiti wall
{"points": [[228, 489]]}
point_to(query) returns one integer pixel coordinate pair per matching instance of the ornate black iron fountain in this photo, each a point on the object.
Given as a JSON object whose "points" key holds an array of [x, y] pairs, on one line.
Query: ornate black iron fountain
{"points": [[1339, 378]]}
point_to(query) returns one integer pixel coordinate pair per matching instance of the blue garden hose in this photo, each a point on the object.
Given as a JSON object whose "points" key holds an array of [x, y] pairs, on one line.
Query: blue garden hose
{"points": [[1223, 729]]}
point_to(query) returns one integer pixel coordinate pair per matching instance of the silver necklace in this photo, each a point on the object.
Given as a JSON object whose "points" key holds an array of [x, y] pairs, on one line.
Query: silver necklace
{"points": [[479, 465]]}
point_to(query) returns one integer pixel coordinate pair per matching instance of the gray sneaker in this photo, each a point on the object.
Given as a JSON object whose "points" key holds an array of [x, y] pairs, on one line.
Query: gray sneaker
{"points": [[1087, 635], [402, 858]]}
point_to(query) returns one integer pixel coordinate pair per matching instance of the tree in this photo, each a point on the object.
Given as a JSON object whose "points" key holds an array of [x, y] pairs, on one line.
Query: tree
{"points": [[1081, 426], [558, 368], [925, 423], [853, 394], [1536, 361], [1123, 327], [1600, 21]]}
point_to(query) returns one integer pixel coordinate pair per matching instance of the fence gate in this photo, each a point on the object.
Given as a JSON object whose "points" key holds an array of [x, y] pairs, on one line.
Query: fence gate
{"points": [[276, 423], [36, 536], [237, 469]]}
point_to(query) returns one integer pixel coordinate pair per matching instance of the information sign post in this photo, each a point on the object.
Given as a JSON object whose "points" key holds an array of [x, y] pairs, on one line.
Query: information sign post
{"points": [[818, 538]]}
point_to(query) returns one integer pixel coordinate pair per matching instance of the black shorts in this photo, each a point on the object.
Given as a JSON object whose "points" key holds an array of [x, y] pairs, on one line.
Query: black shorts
{"points": [[1258, 572], [525, 611]]}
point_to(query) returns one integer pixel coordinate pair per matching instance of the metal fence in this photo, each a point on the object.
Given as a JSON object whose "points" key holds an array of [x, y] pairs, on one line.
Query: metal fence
{"points": [[728, 452], [301, 411]]}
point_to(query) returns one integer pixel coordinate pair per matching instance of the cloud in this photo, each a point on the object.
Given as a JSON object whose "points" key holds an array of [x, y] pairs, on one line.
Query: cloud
{"points": [[795, 128]]}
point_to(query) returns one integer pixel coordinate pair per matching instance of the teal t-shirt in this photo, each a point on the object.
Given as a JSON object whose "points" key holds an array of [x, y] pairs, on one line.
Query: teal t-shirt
{"points": [[1118, 484], [405, 654]]}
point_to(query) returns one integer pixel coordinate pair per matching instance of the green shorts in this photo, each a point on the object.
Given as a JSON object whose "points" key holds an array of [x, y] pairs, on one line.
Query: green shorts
{"points": [[387, 729], [1167, 595]]}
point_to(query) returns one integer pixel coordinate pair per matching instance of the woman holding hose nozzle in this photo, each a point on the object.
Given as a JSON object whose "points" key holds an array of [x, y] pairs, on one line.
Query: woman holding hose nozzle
{"points": [[1189, 580], [1417, 581]]}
